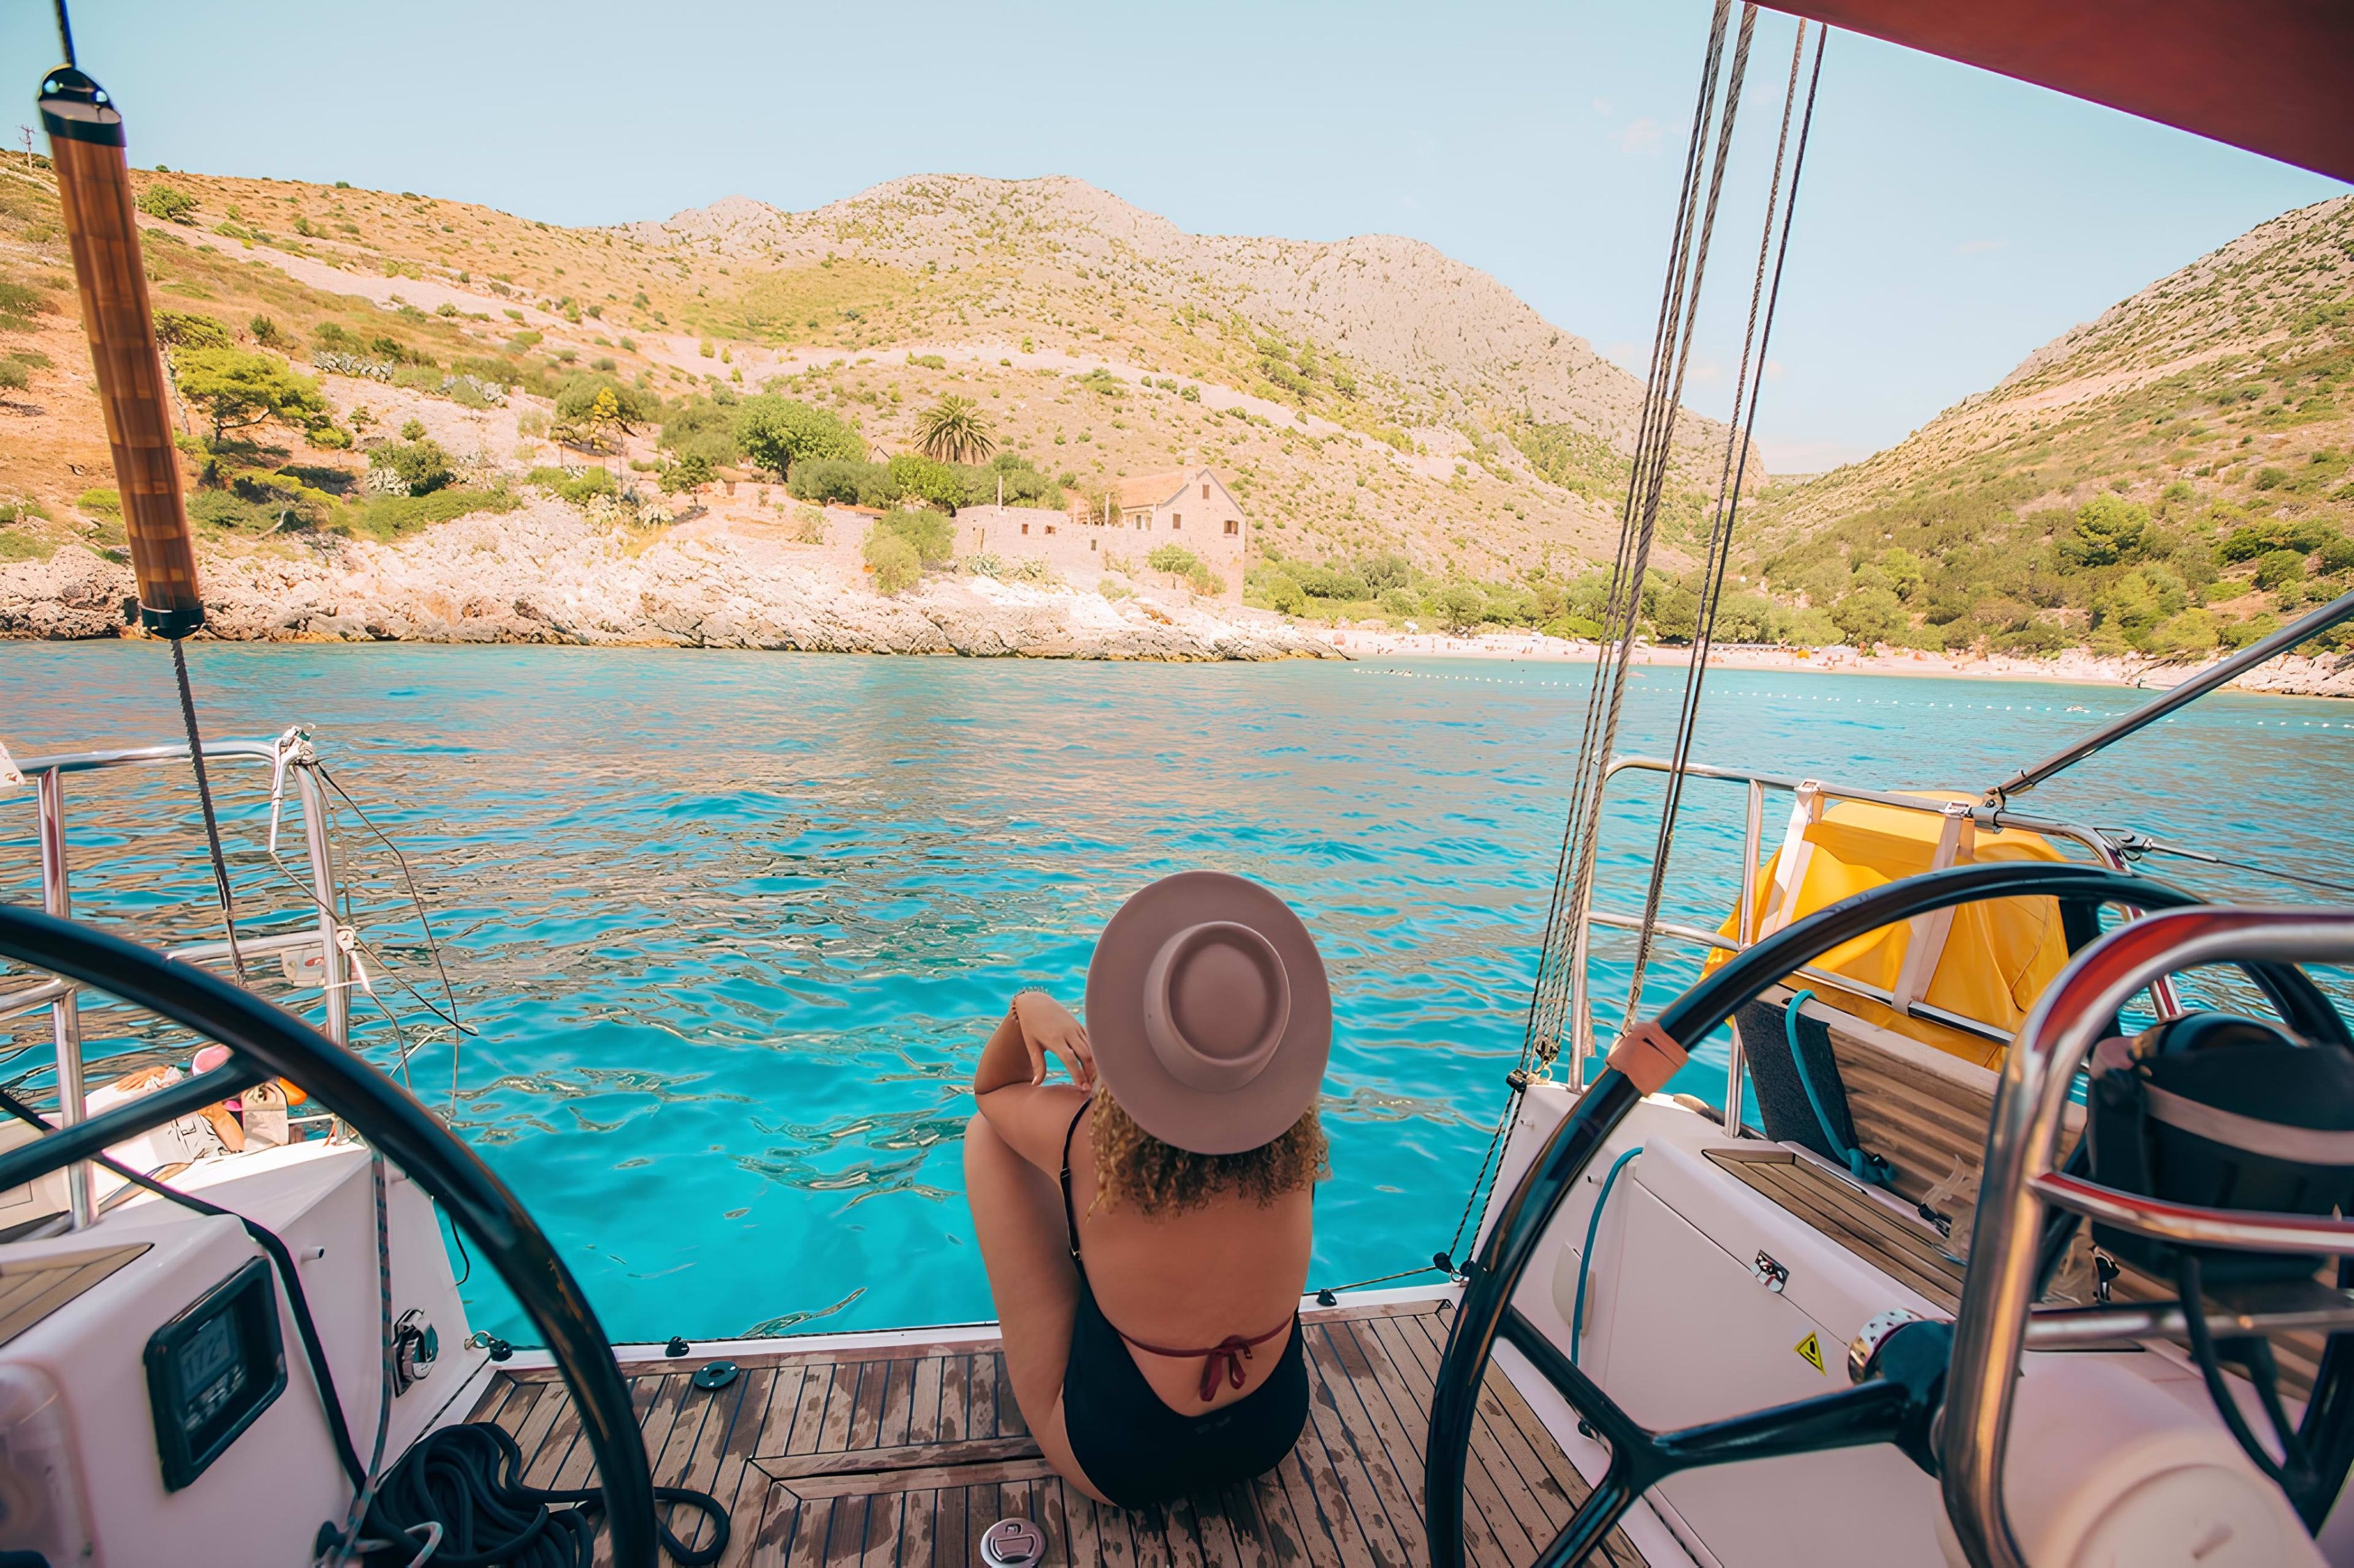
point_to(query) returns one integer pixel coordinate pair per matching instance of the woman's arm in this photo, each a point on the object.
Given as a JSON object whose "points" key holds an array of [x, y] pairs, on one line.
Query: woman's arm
{"points": [[1009, 1082]]}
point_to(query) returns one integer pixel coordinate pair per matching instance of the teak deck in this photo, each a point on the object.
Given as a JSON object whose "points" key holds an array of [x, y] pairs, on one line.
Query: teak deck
{"points": [[899, 1457]]}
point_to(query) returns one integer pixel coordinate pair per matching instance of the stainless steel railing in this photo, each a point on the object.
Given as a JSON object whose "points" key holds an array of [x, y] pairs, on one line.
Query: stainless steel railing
{"points": [[1996, 1319], [290, 755], [1816, 795]]}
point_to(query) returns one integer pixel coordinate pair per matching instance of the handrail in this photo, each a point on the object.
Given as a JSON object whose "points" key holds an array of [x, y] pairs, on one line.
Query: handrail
{"points": [[48, 775], [1581, 1012], [2020, 1178], [133, 755]]}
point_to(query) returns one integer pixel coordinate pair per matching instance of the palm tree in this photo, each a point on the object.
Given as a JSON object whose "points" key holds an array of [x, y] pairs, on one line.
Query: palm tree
{"points": [[954, 430]]}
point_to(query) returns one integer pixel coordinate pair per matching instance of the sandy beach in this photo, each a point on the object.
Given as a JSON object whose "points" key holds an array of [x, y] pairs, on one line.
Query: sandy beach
{"points": [[2331, 676]]}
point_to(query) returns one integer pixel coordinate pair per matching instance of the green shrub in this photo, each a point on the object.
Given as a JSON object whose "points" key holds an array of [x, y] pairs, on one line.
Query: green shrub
{"points": [[835, 480], [928, 361], [2034, 638], [12, 376], [240, 389], [100, 498], [704, 429], [187, 328], [2266, 534], [167, 202], [2276, 568], [2193, 632], [776, 433], [1459, 607], [929, 533], [941, 484], [1286, 597], [576, 488], [2106, 530], [390, 517], [1021, 484], [894, 562], [420, 464], [1399, 604], [2240, 633], [1869, 615], [19, 303], [1808, 628], [2335, 555]]}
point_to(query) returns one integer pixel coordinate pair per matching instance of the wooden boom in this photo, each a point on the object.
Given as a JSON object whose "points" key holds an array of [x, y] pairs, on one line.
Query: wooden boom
{"points": [[86, 145]]}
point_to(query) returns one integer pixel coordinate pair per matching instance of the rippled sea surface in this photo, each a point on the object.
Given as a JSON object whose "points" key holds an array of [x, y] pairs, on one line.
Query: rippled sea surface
{"points": [[731, 926]]}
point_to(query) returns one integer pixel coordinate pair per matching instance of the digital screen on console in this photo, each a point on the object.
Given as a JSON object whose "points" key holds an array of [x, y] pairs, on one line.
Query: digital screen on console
{"points": [[213, 1369]]}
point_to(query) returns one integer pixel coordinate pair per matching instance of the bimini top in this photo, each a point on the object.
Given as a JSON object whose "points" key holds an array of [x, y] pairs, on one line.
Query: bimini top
{"points": [[2270, 76], [1987, 961]]}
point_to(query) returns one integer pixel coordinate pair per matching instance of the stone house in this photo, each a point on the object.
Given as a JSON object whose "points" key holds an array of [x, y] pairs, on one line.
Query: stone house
{"points": [[1189, 506]]}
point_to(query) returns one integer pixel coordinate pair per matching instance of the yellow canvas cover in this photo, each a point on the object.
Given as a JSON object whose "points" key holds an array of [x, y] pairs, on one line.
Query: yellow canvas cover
{"points": [[1998, 954]]}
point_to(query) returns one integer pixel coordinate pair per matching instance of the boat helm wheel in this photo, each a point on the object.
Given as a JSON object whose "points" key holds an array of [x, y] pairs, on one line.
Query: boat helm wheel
{"points": [[266, 1041], [1897, 1392]]}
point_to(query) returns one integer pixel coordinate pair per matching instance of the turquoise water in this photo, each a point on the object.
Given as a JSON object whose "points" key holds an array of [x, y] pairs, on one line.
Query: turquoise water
{"points": [[731, 926]]}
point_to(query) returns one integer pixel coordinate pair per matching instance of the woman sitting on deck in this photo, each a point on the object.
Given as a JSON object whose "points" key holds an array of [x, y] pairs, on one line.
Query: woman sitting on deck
{"points": [[1150, 1308]]}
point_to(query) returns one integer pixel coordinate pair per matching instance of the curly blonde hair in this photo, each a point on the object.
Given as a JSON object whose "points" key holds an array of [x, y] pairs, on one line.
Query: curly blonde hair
{"points": [[1135, 1168]]}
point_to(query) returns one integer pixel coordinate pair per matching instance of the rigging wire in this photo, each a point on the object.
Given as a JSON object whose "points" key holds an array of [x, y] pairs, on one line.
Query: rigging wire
{"points": [[1646, 479], [203, 784], [65, 32], [1755, 343]]}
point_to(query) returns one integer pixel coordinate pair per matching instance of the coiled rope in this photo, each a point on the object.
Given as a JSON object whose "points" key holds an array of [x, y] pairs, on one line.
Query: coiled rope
{"points": [[467, 1479]]}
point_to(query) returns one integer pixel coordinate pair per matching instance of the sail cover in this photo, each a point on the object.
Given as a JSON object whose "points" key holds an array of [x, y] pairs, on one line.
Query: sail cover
{"points": [[2272, 75]]}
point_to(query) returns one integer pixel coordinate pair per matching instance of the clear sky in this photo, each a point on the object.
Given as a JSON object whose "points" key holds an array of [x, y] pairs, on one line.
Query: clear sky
{"points": [[1951, 220]]}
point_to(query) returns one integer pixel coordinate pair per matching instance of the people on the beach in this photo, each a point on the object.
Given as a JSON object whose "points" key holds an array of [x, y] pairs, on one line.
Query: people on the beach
{"points": [[1146, 1226]]}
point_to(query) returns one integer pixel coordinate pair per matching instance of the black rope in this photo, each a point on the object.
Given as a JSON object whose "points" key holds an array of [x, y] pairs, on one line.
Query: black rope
{"points": [[469, 1481], [322, 1375], [204, 787], [2293, 1471], [65, 32], [1483, 1192]]}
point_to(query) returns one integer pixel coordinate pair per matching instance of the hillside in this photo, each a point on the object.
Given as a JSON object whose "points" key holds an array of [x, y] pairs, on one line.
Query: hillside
{"points": [[2168, 478], [1387, 415]]}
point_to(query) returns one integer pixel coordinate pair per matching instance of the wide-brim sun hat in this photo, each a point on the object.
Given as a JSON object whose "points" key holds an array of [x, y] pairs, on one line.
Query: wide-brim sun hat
{"points": [[1209, 1012]]}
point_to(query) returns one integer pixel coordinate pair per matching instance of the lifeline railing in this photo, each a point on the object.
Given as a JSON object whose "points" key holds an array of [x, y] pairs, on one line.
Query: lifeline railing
{"points": [[1961, 819], [1996, 1319], [290, 754]]}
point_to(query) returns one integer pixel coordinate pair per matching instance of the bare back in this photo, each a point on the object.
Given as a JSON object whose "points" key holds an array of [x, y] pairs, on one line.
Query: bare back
{"points": [[1232, 1267]]}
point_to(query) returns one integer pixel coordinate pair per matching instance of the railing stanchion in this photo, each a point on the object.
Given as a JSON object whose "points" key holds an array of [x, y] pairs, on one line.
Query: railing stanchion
{"points": [[65, 1012], [332, 969], [1753, 832]]}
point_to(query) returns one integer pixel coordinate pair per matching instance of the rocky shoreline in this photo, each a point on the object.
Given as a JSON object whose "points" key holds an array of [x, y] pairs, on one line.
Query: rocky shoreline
{"points": [[547, 572], [544, 573]]}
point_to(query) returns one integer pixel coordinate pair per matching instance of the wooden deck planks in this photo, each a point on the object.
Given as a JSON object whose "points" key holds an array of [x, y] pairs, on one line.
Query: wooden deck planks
{"points": [[902, 1457]]}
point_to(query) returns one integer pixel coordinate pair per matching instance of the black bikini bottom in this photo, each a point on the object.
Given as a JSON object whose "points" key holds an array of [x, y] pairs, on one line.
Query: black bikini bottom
{"points": [[1137, 1451]]}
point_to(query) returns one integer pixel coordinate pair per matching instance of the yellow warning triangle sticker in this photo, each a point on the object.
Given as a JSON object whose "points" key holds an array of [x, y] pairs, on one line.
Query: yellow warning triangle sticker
{"points": [[1812, 1350]]}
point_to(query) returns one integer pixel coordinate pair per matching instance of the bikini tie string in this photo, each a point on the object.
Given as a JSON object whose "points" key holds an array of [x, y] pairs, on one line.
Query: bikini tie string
{"points": [[1228, 1353], [1233, 1351]]}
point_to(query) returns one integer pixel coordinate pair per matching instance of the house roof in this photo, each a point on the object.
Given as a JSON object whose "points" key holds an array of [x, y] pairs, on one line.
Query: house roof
{"points": [[1153, 489]]}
